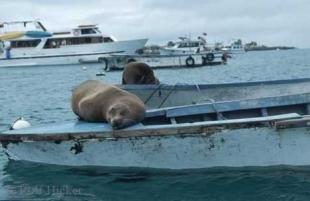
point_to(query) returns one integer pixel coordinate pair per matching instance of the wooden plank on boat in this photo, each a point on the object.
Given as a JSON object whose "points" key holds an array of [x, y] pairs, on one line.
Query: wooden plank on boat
{"points": [[238, 105], [202, 128]]}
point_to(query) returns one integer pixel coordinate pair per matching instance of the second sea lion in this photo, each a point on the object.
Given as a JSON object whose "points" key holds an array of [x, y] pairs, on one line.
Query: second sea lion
{"points": [[138, 73]]}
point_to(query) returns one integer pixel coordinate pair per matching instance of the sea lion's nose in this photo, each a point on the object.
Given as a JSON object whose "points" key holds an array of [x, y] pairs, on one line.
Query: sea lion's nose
{"points": [[116, 124]]}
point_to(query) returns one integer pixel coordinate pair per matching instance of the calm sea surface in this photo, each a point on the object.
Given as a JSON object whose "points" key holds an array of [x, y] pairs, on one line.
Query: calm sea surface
{"points": [[42, 95]]}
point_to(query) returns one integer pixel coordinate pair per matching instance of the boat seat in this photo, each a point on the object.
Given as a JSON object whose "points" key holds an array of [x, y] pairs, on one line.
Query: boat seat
{"points": [[155, 112]]}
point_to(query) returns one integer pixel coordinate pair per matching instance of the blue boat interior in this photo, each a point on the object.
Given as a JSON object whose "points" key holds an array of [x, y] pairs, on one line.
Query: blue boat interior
{"points": [[262, 107]]}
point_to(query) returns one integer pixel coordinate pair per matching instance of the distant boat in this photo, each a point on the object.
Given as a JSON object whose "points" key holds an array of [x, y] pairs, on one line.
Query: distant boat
{"points": [[155, 61], [34, 45], [186, 45], [235, 47]]}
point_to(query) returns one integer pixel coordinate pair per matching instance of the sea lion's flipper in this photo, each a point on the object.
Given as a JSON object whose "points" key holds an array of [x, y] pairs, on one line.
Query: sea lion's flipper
{"points": [[80, 118], [142, 80], [123, 81]]}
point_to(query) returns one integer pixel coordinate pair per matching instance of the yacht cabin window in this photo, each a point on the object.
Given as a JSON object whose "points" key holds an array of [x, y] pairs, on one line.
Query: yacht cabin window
{"points": [[25, 43], [57, 42], [107, 39], [87, 31], [189, 44]]}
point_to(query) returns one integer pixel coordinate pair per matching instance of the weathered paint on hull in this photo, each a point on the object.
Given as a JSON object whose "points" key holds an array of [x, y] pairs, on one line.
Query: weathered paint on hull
{"points": [[264, 146]]}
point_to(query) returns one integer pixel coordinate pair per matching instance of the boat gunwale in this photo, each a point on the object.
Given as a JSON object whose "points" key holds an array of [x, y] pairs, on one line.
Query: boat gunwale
{"points": [[208, 86], [197, 129]]}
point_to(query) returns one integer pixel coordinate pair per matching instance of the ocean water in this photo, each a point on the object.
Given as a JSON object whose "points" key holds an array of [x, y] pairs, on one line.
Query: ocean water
{"points": [[42, 95]]}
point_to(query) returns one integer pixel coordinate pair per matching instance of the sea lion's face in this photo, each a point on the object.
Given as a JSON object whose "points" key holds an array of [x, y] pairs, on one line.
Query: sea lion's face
{"points": [[120, 116]]}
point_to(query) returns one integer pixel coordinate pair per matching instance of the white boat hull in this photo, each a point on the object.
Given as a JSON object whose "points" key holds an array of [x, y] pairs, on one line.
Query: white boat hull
{"points": [[117, 62], [70, 55], [264, 146]]}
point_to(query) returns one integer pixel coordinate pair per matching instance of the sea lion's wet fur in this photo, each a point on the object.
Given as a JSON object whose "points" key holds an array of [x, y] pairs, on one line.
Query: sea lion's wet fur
{"points": [[94, 101], [138, 73]]}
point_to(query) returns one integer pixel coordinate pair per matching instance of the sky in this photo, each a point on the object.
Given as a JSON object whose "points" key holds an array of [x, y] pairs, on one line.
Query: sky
{"points": [[270, 22]]}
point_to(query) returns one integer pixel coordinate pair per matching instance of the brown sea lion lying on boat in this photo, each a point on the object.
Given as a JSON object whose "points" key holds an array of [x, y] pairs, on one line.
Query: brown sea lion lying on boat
{"points": [[138, 73], [94, 101]]}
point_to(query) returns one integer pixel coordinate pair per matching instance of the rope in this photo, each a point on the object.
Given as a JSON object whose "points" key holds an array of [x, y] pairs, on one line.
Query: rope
{"points": [[212, 101], [152, 94], [169, 93], [198, 88]]}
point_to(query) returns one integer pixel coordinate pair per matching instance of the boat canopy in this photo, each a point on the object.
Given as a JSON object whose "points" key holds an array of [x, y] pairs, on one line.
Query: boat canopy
{"points": [[22, 26], [38, 34], [11, 35], [19, 29]]}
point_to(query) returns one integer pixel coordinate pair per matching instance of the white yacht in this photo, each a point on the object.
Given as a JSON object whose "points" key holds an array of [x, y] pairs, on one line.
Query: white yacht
{"points": [[235, 47], [186, 45], [28, 43]]}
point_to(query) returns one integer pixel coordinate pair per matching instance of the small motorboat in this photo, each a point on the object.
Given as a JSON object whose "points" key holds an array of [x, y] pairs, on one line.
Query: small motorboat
{"points": [[266, 131]]}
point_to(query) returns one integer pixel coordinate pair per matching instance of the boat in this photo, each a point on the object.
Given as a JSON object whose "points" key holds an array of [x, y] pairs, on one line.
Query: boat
{"points": [[186, 53], [158, 61], [164, 95], [268, 131], [34, 45], [235, 47], [186, 45]]}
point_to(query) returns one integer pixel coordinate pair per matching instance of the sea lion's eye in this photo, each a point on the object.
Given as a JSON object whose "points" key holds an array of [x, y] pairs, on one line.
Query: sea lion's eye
{"points": [[112, 110], [123, 112]]}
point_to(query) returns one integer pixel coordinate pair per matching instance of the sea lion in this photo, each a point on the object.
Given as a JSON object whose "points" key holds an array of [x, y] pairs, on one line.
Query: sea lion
{"points": [[94, 101], [138, 73]]}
